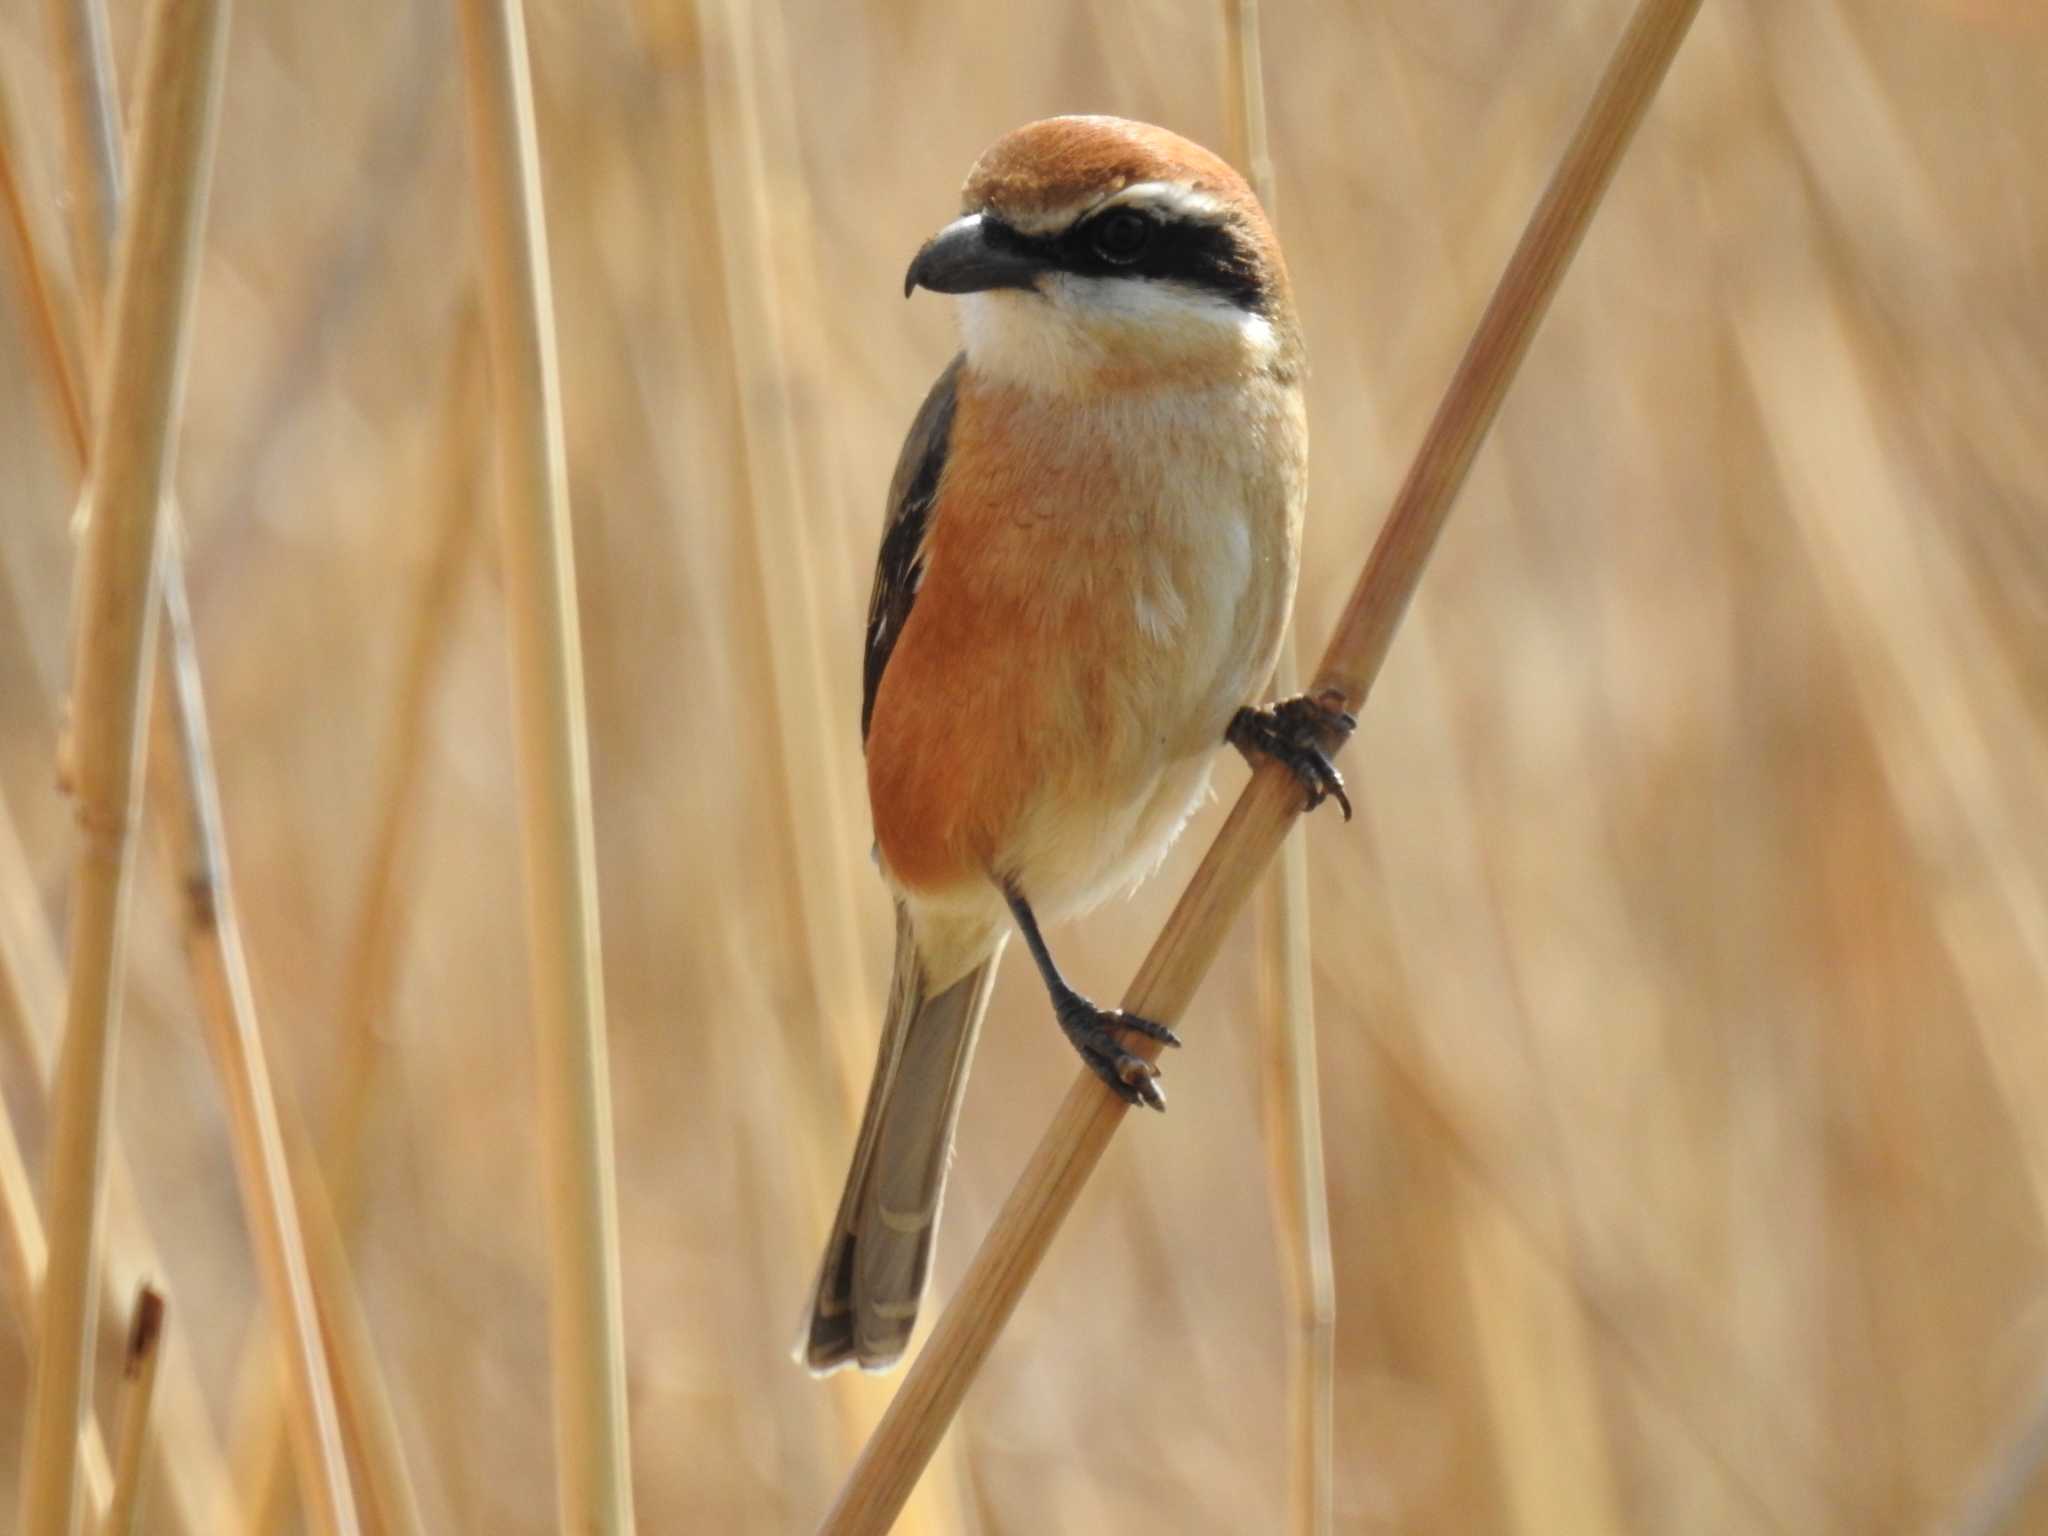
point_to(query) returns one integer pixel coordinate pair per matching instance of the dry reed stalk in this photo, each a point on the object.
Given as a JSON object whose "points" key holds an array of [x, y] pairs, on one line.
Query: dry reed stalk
{"points": [[27, 1255], [34, 271], [1244, 99], [368, 1424], [31, 970], [189, 1464], [182, 764], [779, 531], [184, 58], [374, 934], [21, 1226], [331, 1184], [1292, 1124], [786, 579], [1167, 979], [138, 1392], [799, 247], [366, 1412], [1519, 1248], [92, 148], [1291, 1100], [593, 1484]]}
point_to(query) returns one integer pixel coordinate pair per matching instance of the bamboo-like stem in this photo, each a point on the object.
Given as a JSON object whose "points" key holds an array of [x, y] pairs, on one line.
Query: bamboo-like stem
{"points": [[1291, 1097], [184, 58], [138, 1392], [1167, 979], [592, 1483]]}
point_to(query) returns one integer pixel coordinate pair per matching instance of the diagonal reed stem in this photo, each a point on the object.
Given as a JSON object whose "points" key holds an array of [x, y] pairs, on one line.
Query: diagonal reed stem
{"points": [[593, 1487], [149, 321], [1081, 1129]]}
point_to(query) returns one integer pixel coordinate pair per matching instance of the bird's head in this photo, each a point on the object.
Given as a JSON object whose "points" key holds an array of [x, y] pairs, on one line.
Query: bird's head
{"points": [[1094, 253]]}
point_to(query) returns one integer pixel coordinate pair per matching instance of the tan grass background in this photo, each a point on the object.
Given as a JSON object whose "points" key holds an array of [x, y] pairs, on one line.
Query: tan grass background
{"points": [[1681, 985]]}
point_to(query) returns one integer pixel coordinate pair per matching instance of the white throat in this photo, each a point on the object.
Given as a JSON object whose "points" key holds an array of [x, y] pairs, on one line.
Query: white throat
{"points": [[1077, 335]]}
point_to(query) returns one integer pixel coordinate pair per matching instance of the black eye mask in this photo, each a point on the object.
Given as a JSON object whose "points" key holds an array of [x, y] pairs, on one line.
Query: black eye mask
{"points": [[1137, 243]]}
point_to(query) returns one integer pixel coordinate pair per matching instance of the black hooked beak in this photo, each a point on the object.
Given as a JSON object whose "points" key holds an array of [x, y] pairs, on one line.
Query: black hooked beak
{"points": [[973, 255]]}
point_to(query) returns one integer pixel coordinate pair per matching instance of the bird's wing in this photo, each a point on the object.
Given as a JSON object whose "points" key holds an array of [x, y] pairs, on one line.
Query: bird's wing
{"points": [[899, 566]]}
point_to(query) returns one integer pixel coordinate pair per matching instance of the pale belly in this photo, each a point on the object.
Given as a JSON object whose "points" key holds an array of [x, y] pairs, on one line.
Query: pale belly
{"points": [[1155, 725]]}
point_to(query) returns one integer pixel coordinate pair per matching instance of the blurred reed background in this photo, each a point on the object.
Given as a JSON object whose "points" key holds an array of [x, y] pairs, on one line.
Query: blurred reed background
{"points": [[1681, 986]]}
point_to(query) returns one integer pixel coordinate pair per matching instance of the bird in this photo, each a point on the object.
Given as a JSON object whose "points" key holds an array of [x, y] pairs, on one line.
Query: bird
{"points": [[1086, 568]]}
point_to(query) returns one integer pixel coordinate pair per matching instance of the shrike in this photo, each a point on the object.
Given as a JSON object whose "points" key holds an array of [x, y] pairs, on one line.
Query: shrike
{"points": [[1089, 558]]}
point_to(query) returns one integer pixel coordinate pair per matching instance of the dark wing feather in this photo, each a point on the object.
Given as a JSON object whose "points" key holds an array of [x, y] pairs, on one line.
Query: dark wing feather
{"points": [[900, 565]]}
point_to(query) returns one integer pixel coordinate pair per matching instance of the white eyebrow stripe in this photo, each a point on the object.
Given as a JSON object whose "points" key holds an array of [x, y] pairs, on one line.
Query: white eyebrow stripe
{"points": [[1177, 199], [1173, 197]]}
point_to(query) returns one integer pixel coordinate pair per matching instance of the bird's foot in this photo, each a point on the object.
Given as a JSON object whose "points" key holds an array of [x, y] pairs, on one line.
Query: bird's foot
{"points": [[1301, 732], [1095, 1032]]}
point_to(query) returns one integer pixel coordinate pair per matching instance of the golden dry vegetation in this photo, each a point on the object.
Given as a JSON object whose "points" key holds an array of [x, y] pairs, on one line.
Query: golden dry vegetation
{"points": [[1680, 988]]}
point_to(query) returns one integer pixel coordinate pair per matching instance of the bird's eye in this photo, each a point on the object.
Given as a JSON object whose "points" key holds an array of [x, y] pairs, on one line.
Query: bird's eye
{"points": [[1121, 237]]}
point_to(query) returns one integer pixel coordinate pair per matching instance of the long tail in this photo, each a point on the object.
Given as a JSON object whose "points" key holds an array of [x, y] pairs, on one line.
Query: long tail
{"points": [[879, 1255]]}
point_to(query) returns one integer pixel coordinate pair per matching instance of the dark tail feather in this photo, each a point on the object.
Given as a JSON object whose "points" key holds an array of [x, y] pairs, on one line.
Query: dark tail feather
{"points": [[879, 1255]]}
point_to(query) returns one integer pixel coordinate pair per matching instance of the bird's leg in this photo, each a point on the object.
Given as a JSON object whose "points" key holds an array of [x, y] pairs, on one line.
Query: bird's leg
{"points": [[1093, 1029], [1300, 732]]}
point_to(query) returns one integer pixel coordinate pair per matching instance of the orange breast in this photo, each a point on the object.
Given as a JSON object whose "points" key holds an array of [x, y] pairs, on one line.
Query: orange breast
{"points": [[986, 700]]}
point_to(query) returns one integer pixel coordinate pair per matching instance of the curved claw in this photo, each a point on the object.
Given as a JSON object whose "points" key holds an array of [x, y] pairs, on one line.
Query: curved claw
{"points": [[1094, 1032], [1293, 733], [1118, 1019], [1137, 1082]]}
